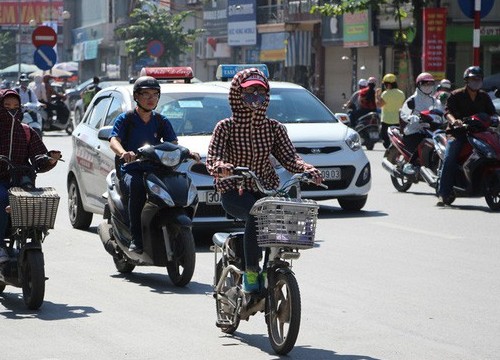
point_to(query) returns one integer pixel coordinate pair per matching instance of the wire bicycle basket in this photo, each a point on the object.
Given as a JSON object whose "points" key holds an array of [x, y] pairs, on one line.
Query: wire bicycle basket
{"points": [[33, 208], [283, 222]]}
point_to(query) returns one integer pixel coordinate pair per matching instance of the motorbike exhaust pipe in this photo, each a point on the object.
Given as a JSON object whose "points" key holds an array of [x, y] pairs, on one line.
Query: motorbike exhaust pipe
{"points": [[429, 176], [104, 231], [387, 165]]}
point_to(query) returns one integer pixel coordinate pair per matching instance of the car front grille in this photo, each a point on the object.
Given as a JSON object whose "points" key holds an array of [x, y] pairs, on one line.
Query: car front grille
{"points": [[205, 210], [318, 150], [346, 178]]}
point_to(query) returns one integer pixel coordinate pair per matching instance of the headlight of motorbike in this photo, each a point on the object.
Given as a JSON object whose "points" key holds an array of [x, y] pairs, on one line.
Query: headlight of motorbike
{"points": [[484, 148], [353, 140], [169, 158], [160, 192]]}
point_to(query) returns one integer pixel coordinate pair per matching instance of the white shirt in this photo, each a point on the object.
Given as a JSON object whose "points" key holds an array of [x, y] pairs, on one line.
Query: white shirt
{"points": [[25, 97]]}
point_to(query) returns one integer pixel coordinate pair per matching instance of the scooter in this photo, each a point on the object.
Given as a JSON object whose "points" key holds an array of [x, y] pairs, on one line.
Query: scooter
{"points": [[57, 116], [32, 213], [368, 128], [478, 172], [432, 122], [166, 218]]}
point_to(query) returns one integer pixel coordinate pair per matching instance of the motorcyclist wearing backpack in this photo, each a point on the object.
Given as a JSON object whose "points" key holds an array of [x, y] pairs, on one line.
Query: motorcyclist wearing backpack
{"points": [[26, 94], [131, 131], [413, 130], [463, 102], [22, 146]]}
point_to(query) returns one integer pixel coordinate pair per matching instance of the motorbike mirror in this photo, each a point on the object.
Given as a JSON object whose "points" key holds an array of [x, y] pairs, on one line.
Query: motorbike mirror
{"points": [[497, 93], [411, 104]]}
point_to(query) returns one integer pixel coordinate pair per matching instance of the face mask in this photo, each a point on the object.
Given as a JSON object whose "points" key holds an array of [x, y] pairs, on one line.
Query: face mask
{"points": [[427, 89], [254, 101], [475, 85], [12, 112]]}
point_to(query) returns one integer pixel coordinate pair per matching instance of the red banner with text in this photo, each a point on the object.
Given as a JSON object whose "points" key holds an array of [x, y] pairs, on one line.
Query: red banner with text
{"points": [[434, 41]]}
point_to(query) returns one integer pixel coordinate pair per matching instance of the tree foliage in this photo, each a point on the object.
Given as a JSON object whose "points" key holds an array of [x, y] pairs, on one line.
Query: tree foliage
{"points": [[150, 22], [7, 41]]}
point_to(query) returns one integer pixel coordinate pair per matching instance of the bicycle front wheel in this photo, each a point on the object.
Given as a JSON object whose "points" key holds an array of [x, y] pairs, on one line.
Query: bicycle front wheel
{"points": [[283, 312]]}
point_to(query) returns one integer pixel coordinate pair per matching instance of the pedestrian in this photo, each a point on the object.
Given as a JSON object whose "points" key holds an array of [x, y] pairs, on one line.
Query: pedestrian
{"points": [[389, 99]]}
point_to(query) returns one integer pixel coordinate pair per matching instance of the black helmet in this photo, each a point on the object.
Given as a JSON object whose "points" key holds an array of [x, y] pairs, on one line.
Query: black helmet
{"points": [[146, 82], [473, 71]]}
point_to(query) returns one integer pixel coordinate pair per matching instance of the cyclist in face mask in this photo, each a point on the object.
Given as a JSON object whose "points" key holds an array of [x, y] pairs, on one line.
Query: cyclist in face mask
{"points": [[421, 100], [248, 138], [462, 102]]}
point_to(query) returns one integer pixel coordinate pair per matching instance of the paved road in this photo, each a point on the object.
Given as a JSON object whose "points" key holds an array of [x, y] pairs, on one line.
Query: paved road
{"points": [[403, 279]]}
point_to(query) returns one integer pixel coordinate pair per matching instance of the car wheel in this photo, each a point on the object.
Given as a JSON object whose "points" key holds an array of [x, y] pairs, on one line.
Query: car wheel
{"points": [[79, 218], [352, 204]]}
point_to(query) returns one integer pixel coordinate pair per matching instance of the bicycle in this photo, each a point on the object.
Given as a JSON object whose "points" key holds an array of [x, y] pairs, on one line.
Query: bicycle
{"points": [[284, 226]]}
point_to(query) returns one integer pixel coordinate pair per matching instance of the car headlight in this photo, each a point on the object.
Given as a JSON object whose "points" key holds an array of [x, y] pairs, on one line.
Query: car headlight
{"points": [[169, 158], [192, 194], [160, 192], [353, 140]]}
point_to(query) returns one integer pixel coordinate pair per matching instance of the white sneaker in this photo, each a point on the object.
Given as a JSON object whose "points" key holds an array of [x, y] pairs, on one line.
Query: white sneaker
{"points": [[409, 169], [4, 257]]}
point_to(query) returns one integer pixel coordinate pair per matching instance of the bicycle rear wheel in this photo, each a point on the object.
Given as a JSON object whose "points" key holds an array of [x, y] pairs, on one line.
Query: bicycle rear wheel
{"points": [[283, 311]]}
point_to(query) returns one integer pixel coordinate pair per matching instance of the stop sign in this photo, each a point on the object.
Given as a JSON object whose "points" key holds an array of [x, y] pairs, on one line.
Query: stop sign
{"points": [[44, 35]]}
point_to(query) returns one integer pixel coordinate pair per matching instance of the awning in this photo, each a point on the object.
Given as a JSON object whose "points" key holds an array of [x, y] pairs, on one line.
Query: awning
{"points": [[298, 51]]}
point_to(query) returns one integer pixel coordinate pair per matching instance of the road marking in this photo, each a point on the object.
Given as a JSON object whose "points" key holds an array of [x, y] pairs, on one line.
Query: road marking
{"points": [[419, 231]]}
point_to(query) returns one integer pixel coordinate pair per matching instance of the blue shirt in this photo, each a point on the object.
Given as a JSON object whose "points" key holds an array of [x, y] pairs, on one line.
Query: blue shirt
{"points": [[137, 133]]}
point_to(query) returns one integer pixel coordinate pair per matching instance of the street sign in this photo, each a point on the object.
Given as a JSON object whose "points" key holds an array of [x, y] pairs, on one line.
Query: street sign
{"points": [[467, 7], [45, 57], [155, 48], [44, 35]]}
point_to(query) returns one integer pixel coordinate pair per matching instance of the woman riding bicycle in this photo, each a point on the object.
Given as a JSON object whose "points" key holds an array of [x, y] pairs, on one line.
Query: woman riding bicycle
{"points": [[247, 139]]}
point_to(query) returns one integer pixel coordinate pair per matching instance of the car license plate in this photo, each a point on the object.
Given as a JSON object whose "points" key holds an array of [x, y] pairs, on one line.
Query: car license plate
{"points": [[331, 173], [212, 198], [374, 135]]}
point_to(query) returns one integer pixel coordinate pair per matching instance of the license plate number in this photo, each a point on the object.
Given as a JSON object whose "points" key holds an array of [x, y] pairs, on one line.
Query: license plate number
{"points": [[374, 135], [212, 198], [331, 173]]}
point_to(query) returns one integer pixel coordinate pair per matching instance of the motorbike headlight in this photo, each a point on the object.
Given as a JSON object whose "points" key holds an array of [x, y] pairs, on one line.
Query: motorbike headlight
{"points": [[169, 158], [484, 148], [160, 192], [353, 140]]}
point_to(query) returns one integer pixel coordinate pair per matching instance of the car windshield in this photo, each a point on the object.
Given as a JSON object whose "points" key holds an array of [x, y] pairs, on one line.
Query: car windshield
{"points": [[297, 106]]}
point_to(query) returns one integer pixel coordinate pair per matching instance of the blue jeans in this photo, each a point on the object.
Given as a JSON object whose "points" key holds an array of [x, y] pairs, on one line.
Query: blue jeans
{"points": [[134, 188], [4, 217], [449, 169], [239, 206]]}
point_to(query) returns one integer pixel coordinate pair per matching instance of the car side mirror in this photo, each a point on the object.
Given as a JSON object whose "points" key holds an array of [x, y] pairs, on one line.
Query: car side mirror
{"points": [[104, 133]]}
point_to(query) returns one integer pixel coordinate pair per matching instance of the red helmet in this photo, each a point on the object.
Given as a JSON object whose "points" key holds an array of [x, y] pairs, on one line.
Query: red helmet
{"points": [[424, 77]]}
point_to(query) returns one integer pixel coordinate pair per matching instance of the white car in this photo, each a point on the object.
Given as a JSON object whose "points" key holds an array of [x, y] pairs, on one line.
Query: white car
{"points": [[194, 109]]}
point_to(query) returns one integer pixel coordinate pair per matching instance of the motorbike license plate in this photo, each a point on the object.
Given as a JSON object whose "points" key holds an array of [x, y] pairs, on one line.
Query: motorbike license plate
{"points": [[212, 198], [373, 135], [331, 173]]}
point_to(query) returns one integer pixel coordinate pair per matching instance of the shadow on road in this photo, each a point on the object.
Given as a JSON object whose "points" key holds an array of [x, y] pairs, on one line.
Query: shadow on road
{"points": [[299, 352], [332, 212], [16, 310]]}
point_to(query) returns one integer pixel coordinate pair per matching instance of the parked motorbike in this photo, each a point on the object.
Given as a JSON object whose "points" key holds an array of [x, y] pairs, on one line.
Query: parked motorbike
{"points": [[397, 155], [478, 174], [32, 116], [167, 216], [58, 116], [32, 213], [284, 226]]}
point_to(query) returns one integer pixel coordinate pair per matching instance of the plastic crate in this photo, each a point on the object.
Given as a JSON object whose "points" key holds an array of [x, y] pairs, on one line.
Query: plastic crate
{"points": [[33, 208], [285, 222]]}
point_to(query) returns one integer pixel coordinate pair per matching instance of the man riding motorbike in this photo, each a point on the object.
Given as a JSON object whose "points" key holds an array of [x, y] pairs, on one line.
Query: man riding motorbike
{"points": [[463, 102], [149, 127], [353, 103], [421, 100]]}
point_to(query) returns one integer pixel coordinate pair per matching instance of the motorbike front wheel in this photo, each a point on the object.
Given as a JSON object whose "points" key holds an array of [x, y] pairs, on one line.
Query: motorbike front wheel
{"points": [[401, 184], [181, 268], [283, 311], [492, 198], [33, 273]]}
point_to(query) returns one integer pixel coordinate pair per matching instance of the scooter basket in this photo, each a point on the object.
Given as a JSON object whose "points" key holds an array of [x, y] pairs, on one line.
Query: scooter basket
{"points": [[33, 208], [285, 222]]}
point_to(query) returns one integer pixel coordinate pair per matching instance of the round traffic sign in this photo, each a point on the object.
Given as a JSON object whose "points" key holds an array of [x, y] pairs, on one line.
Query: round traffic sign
{"points": [[467, 7], [155, 48], [44, 35], [45, 57]]}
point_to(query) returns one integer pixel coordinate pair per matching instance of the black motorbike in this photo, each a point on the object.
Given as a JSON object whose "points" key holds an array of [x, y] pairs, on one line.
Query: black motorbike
{"points": [[57, 115], [166, 218], [368, 128], [32, 213]]}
